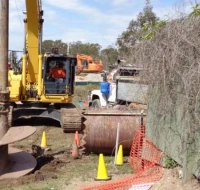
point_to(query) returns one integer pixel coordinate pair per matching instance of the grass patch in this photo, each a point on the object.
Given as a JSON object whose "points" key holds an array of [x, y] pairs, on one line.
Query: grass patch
{"points": [[81, 93], [84, 170]]}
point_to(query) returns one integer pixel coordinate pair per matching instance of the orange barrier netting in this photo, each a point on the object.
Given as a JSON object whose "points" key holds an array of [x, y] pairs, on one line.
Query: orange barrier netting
{"points": [[144, 159]]}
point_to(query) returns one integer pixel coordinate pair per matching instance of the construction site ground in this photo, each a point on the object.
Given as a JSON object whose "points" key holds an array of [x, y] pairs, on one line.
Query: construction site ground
{"points": [[57, 170]]}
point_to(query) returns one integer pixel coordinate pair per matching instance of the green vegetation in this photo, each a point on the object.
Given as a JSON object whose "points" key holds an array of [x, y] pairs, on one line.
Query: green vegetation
{"points": [[169, 163], [146, 25], [78, 170], [109, 55], [74, 47], [135, 30], [150, 29], [196, 10], [63, 172], [81, 93]]}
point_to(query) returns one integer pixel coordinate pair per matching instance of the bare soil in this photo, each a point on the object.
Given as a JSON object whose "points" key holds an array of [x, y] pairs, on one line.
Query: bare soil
{"points": [[58, 170], [172, 180]]}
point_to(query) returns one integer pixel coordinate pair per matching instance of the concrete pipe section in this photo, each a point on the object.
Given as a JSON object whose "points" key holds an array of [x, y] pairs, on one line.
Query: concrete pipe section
{"points": [[101, 129]]}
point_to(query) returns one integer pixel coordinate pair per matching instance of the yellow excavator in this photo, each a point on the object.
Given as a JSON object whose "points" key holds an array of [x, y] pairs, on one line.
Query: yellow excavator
{"points": [[33, 93]]}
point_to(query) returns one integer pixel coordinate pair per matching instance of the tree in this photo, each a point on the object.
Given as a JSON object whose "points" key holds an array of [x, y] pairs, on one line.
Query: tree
{"points": [[147, 15], [91, 49], [87, 48], [47, 45], [134, 32], [129, 37], [109, 56]]}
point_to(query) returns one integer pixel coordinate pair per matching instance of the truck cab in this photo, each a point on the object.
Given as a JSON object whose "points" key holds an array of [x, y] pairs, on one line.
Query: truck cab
{"points": [[124, 86], [97, 99]]}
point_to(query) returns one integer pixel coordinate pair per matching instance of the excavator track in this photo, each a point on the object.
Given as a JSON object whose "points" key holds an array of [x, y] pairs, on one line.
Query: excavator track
{"points": [[71, 119]]}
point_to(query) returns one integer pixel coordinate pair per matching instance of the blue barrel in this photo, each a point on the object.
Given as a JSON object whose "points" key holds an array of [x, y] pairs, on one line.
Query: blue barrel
{"points": [[105, 87]]}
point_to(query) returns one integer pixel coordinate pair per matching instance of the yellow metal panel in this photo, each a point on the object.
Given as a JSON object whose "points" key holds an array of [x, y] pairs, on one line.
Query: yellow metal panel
{"points": [[14, 82], [12, 76], [14, 98], [57, 99], [40, 75], [24, 63], [32, 39], [15, 90], [52, 99]]}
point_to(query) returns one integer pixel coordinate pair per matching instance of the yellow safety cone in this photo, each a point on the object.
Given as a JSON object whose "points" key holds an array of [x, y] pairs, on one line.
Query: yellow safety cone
{"points": [[44, 140], [102, 174], [120, 159]]}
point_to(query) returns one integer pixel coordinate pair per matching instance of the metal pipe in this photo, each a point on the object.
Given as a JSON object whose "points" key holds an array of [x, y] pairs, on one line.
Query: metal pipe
{"points": [[41, 33], [40, 76], [15, 50], [100, 132], [4, 93], [4, 44], [3, 158], [25, 22], [112, 114], [117, 142], [24, 62], [11, 59], [41, 25], [40, 52], [4, 98]]}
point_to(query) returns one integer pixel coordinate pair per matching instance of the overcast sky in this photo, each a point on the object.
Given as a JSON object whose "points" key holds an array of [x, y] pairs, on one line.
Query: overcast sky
{"points": [[94, 21]]}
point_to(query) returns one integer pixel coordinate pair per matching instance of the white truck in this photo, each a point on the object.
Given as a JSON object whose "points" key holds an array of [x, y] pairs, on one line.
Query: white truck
{"points": [[125, 87]]}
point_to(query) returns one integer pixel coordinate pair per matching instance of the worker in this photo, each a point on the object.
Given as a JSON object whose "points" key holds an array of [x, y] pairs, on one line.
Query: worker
{"points": [[57, 72]]}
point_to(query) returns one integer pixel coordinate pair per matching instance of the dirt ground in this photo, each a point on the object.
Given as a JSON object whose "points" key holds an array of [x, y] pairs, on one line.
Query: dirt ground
{"points": [[172, 180], [57, 170]]}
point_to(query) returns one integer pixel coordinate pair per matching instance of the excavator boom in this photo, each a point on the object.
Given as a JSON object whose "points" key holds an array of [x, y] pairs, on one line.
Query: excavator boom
{"points": [[33, 37]]}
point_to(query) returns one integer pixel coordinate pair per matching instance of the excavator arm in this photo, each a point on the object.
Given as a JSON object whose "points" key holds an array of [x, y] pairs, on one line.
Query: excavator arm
{"points": [[33, 36]]}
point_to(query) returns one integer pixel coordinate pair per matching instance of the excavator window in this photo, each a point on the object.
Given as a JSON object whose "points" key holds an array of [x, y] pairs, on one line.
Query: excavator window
{"points": [[58, 74], [55, 75], [84, 63]]}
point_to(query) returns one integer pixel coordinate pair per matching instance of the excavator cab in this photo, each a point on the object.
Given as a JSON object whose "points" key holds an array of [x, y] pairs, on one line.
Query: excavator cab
{"points": [[62, 81]]}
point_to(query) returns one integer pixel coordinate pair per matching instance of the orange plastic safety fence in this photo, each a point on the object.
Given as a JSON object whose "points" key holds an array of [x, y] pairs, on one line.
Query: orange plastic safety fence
{"points": [[144, 154], [144, 159]]}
